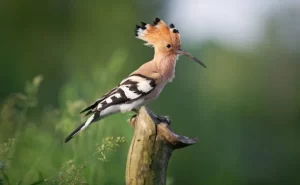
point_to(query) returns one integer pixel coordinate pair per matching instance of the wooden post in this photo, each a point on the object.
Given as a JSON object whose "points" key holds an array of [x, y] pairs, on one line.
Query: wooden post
{"points": [[151, 148]]}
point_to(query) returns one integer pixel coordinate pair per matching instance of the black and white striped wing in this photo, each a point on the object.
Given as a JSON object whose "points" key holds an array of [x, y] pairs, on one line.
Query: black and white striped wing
{"points": [[91, 107], [130, 89]]}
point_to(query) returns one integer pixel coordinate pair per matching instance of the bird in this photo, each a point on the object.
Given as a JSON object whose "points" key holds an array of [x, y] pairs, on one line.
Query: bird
{"points": [[146, 83]]}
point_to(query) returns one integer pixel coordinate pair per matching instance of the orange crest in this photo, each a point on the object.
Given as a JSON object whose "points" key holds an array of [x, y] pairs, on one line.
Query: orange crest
{"points": [[158, 34]]}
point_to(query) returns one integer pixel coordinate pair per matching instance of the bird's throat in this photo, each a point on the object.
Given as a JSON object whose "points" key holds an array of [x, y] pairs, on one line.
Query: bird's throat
{"points": [[166, 66]]}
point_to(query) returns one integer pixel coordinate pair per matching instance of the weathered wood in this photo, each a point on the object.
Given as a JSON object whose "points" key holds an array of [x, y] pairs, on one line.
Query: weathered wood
{"points": [[151, 148]]}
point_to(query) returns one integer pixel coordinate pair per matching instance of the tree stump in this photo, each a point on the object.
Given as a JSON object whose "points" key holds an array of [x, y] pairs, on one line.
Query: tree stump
{"points": [[151, 148]]}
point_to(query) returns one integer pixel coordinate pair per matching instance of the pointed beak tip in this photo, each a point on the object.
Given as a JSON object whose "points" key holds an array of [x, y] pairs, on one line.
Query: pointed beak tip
{"points": [[181, 52], [202, 64]]}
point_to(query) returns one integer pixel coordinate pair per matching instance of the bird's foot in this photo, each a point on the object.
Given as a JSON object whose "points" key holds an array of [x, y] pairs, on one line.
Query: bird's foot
{"points": [[131, 121], [164, 119], [135, 110]]}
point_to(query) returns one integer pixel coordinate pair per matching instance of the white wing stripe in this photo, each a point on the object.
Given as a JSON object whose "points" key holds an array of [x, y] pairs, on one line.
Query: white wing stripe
{"points": [[129, 94], [88, 122], [118, 95], [144, 86], [109, 100]]}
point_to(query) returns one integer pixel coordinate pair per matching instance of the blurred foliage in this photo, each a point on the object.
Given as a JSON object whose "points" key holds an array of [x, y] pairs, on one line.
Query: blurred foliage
{"points": [[19, 105], [70, 174], [244, 107], [5, 157], [108, 144], [6, 152]]}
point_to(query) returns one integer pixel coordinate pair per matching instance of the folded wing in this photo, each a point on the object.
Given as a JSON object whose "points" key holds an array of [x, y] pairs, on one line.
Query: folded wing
{"points": [[130, 89]]}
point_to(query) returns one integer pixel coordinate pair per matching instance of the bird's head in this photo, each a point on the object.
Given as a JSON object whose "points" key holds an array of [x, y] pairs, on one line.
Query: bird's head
{"points": [[165, 39]]}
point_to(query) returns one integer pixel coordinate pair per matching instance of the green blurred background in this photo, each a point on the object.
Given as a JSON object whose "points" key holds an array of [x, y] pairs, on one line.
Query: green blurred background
{"points": [[245, 107]]}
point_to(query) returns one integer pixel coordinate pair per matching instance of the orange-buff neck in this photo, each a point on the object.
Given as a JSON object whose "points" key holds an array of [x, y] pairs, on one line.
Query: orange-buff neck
{"points": [[166, 63]]}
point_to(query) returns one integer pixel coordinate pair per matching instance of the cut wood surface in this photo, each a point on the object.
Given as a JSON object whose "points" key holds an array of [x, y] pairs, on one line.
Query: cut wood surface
{"points": [[151, 147]]}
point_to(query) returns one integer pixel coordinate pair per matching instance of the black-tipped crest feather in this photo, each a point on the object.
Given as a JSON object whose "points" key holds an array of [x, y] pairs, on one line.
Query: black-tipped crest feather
{"points": [[156, 21], [175, 31], [143, 25]]}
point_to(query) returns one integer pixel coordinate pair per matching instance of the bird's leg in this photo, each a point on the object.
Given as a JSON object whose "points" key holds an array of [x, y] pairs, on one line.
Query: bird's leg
{"points": [[164, 119], [133, 117]]}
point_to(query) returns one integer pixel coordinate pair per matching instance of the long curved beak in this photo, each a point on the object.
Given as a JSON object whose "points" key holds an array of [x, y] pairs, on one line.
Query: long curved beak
{"points": [[181, 52]]}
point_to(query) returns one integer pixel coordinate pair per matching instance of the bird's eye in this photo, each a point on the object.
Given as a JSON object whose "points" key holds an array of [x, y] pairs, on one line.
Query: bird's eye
{"points": [[168, 45]]}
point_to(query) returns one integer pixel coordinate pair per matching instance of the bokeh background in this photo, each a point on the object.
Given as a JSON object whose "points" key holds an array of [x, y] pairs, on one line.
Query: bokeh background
{"points": [[245, 107]]}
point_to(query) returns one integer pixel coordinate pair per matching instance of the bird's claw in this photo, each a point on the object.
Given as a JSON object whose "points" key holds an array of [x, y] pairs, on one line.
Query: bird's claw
{"points": [[135, 110], [164, 119], [133, 117]]}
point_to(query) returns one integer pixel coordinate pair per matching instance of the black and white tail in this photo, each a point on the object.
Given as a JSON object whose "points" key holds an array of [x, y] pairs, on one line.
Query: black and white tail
{"points": [[83, 126]]}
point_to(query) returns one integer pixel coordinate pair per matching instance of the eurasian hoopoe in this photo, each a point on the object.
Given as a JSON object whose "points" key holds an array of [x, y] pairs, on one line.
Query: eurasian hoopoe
{"points": [[146, 83]]}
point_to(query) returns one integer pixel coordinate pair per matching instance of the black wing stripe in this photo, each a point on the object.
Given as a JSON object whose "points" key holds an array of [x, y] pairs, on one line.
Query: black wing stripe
{"points": [[114, 100], [132, 86], [94, 105], [152, 83], [89, 112], [135, 82]]}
